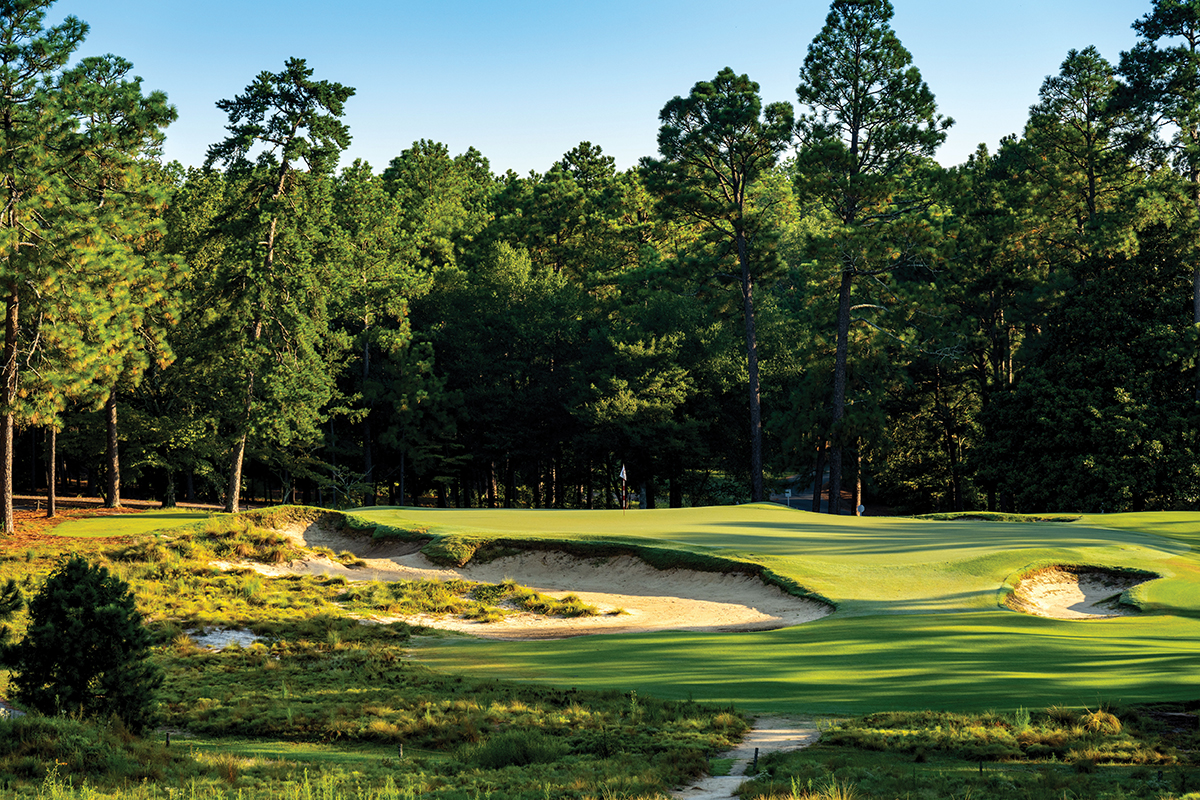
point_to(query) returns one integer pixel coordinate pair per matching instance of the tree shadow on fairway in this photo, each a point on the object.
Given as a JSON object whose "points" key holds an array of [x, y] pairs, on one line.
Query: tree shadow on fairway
{"points": [[945, 661], [955, 602]]}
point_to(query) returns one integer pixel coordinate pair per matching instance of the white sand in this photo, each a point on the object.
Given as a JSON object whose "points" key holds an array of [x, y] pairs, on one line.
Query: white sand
{"points": [[1073, 593], [650, 599]]}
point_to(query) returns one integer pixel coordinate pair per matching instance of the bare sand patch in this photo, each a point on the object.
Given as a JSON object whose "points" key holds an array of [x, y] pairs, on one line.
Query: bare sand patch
{"points": [[220, 639], [631, 595], [1078, 593]]}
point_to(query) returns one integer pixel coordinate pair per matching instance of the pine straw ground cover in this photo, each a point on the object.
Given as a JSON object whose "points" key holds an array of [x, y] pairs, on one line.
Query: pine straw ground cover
{"points": [[320, 705]]}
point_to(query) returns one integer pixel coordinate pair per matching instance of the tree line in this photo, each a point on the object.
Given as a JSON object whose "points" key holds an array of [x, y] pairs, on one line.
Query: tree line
{"points": [[780, 292]]}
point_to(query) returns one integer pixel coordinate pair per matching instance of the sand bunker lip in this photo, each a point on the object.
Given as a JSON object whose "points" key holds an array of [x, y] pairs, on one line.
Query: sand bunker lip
{"points": [[650, 599], [1075, 592]]}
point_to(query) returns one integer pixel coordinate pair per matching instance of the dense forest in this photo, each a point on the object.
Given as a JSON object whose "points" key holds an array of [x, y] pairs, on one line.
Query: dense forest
{"points": [[784, 290]]}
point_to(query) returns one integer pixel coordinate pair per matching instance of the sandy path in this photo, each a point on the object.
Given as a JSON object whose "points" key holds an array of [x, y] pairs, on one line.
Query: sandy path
{"points": [[1073, 594], [647, 599], [769, 734]]}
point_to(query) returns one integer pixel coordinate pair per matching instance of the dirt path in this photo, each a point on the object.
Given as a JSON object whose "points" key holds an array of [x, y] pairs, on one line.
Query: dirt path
{"points": [[769, 734]]}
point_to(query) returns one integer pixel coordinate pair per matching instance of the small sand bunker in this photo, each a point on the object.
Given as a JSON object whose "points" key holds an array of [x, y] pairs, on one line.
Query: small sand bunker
{"points": [[1075, 592], [631, 596], [220, 639]]}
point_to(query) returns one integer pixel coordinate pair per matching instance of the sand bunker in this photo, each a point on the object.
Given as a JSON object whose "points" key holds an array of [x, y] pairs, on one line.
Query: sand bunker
{"points": [[220, 639], [648, 599], [1075, 593]]}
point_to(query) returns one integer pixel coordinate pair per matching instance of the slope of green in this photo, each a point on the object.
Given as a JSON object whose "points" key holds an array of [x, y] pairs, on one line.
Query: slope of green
{"points": [[920, 621]]}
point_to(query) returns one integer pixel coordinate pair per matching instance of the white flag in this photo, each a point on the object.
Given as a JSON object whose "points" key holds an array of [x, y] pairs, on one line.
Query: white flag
{"points": [[622, 472]]}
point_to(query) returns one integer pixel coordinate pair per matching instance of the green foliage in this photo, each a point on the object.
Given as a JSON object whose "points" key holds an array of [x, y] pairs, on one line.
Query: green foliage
{"points": [[713, 147], [86, 651]]}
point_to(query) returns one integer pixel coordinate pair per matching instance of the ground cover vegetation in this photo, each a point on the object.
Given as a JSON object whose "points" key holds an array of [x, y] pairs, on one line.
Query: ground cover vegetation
{"points": [[318, 705], [1047, 753], [1015, 333]]}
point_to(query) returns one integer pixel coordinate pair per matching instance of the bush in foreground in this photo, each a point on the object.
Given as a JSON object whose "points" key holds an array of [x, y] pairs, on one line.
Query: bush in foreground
{"points": [[86, 652]]}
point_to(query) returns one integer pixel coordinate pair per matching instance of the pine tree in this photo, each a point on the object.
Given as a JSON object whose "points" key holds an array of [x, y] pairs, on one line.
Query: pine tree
{"points": [[86, 651], [272, 282], [714, 144], [67, 142], [1162, 75], [870, 123]]}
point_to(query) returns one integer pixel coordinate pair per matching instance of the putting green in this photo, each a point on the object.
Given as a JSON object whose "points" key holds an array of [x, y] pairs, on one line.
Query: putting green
{"points": [[128, 524], [919, 622]]}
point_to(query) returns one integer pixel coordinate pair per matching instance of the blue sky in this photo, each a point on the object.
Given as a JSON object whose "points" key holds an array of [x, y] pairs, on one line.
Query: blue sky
{"points": [[525, 81]]}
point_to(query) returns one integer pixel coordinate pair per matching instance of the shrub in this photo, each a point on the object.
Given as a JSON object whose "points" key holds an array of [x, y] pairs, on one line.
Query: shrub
{"points": [[86, 651], [515, 748], [1101, 722]]}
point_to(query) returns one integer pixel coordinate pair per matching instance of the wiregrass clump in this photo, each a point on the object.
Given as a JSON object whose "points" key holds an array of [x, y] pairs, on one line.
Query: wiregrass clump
{"points": [[483, 602]]}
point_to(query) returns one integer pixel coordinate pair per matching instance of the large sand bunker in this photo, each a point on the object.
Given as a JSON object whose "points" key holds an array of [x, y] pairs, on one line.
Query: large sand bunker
{"points": [[648, 599], [1069, 592]]}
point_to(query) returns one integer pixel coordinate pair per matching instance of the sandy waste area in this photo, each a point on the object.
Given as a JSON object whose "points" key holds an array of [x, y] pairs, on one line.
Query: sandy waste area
{"points": [[648, 599], [1074, 593]]}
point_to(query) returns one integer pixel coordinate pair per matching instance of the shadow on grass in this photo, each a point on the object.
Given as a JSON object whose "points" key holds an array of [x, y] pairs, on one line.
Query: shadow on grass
{"points": [[998, 660]]}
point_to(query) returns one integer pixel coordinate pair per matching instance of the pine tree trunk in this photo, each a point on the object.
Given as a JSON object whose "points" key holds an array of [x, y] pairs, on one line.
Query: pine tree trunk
{"points": [[234, 491], [491, 485], [368, 455], [402, 477], [857, 478], [169, 496], [818, 478], [841, 359], [756, 455], [113, 495], [52, 473], [9, 380]]}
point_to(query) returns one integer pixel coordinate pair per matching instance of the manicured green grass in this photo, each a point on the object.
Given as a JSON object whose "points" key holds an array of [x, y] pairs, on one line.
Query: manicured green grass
{"points": [[128, 524], [919, 624]]}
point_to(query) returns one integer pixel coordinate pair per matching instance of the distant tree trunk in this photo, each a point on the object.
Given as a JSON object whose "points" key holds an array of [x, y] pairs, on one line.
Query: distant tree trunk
{"points": [[401, 477], [510, 484], [51, 473], [756, 454], [191, 484], [841, 357], [368, 464], [169, 496], [857, 478], [491, 485], [113, 495], [650, 489], [591, 485], [818, 477]]}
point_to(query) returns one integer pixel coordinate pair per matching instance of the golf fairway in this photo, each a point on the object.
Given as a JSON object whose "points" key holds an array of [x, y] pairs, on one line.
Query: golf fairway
{"points": [[919, 621]]}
